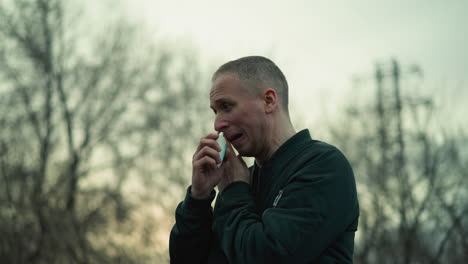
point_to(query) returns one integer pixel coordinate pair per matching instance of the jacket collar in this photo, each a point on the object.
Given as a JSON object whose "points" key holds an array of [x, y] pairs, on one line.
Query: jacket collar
{"points": [[287, 151]]}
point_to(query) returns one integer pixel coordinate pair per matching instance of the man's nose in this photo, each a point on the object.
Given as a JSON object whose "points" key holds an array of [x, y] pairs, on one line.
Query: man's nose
{"points": [[220, 123]]}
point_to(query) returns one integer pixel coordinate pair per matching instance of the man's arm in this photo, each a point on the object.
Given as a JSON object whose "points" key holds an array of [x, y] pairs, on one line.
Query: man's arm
{"points": [[316, 206], [191, 236]]}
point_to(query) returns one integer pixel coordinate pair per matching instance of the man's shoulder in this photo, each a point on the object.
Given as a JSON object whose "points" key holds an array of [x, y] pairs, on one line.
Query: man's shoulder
{"points": [[317, 156], [318, 149], [305, 143]]}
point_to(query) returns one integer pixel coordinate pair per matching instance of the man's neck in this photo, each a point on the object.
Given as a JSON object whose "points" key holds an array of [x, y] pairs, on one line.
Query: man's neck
{"points": [[278, 138]]}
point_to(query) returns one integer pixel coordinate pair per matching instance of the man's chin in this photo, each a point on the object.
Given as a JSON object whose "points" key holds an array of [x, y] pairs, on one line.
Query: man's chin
{"points": [[244, 153], [243, 150]]}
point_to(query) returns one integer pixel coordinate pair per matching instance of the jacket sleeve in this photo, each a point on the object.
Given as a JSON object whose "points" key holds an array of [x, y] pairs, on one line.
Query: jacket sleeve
{"points": [[191, 237], [314, 208]]}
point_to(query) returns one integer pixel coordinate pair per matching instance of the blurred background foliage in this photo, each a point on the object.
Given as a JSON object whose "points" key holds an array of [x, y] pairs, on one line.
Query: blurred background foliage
{"points": [[99, 122], [93, 146]]}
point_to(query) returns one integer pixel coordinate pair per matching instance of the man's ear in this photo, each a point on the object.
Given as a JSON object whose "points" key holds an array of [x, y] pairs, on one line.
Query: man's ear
{"points": [[270, 99]]}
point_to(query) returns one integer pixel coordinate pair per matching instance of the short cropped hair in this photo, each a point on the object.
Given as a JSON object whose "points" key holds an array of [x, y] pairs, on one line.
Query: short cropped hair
{"points": [[257, 73]]}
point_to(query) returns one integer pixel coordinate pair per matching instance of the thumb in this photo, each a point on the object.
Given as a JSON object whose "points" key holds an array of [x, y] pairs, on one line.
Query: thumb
{"points": [[229, 151], [241, 159]]}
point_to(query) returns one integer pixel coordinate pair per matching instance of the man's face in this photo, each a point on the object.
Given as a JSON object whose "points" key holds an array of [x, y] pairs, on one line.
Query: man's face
{"points": [[239, 114]]}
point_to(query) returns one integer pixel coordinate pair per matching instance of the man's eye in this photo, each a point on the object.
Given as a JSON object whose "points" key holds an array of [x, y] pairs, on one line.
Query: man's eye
{"points": [[225, 106]]}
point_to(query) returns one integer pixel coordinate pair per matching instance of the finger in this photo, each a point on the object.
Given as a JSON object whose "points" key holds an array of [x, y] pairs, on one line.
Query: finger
{"points": [[207, 151], [208, 143], [205, 162], [213, 136], [207, 138]]}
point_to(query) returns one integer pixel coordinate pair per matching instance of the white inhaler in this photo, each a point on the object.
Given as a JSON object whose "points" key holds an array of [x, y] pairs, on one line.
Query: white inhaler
{"points": [[222, 143]]}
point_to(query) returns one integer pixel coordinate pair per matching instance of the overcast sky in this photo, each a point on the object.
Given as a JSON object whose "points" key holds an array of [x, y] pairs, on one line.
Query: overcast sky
{"points": [[320, 45]]}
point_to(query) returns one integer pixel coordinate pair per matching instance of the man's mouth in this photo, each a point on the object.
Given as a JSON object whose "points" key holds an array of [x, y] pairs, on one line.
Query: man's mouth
{"points": [[235, 138]]}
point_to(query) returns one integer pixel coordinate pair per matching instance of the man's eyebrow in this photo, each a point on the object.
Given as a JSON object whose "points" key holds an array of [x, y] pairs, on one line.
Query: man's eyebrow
{"points": [[214, 104], [218, 102]]}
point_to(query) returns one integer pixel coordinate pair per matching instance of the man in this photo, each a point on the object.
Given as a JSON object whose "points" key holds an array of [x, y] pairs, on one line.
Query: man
{"points": [[297, 204]]}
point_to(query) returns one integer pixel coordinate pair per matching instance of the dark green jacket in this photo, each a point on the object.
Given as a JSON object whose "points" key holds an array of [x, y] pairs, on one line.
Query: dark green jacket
{"points": [[302, 207]]}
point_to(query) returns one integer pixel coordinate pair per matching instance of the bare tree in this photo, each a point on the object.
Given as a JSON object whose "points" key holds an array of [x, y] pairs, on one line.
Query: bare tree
{"points": [[77, 108], [411, 173]]}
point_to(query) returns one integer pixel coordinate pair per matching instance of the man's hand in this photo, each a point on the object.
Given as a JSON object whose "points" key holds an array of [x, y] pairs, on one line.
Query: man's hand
{"points": [[235, 169], [205, 174]]}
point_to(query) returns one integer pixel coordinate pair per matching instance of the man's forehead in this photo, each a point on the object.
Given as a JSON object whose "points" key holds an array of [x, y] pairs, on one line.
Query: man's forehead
{"points": [[228, 87], [218, 95], [223, 85], [224, 79], [215, 92]]}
